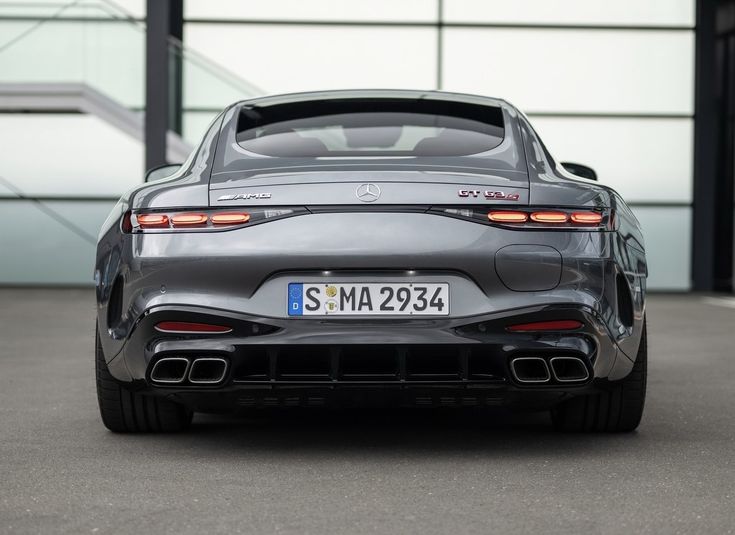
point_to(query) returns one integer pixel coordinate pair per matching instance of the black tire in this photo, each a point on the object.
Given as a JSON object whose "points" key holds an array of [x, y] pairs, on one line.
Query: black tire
{"points": [[125, 411], [618, 408]]}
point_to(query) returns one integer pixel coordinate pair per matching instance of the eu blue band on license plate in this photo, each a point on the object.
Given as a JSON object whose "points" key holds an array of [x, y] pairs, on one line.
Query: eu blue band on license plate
{"points": [[295, 299]]}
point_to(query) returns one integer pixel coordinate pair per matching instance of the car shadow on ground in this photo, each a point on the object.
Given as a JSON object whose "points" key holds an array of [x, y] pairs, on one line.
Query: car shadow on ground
{"points": [[405, 431]]}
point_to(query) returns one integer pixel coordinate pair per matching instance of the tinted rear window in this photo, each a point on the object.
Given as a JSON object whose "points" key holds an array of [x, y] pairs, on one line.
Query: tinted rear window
{"points": [[370, 127]]}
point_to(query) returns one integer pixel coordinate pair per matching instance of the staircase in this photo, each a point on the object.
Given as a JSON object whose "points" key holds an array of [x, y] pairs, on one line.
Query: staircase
{"points": [[72, 86], [73, 97]]}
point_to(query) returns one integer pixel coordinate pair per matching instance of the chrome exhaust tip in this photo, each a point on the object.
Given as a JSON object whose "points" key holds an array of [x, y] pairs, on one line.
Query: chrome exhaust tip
{"points": [[208, 371], [530, 370], [569, 369], [170, 370]]}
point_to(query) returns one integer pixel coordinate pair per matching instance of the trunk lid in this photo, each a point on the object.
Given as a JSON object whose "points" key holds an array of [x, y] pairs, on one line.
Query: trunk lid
{"points": [[376, 185]]}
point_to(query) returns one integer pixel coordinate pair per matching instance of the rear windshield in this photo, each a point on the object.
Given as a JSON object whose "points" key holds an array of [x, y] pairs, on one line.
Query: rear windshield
{"points": [[370, 127]]}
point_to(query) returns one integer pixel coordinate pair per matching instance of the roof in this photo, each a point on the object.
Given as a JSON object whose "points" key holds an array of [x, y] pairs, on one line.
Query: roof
{"points": [[373, 93]]}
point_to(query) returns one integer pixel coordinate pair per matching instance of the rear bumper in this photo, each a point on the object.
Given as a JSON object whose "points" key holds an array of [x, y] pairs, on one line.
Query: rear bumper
{"points": [[460, 361], [497, 277]]}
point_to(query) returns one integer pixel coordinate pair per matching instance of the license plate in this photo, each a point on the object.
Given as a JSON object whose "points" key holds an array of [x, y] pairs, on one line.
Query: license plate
{"points": [[372, 299]]}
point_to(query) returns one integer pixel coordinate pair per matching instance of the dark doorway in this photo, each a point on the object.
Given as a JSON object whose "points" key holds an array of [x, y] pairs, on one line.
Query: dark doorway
{"points": [[714, 166], [725, 165]]}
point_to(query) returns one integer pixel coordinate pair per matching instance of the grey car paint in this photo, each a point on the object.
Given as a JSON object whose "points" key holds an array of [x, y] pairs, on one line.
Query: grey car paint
{"points": [[494, 272]]}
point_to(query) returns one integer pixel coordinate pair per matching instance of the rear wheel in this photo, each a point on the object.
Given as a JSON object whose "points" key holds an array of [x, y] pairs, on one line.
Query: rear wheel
{"points": [[125, 411], [617, 409]]}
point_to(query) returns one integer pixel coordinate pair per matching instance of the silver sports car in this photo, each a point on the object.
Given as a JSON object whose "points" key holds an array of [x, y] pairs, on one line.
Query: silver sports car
{"points": [[411, 248]]}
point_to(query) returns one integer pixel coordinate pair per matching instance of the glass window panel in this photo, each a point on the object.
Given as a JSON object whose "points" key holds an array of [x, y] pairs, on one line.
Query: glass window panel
{"points": [[550, 70], [343, 128], [51, 52], [643, 159], [301, 58], [209, 85], [135, 8], [108, 56], [114, 61], [341, 10], [69, 8], [74, 154], [600, 12], [195, 124], [28, 249], [668, 236]]}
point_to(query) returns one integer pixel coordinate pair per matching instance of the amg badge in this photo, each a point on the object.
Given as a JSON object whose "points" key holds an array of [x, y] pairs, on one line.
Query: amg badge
{"points": [[244, 196]]}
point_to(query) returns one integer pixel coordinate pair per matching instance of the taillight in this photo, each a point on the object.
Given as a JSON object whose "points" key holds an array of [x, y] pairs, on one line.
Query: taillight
{"points": [[203, 220], [508, 217], [188, 219], [231, 218], [535, 217], [587, 218], [549, 217], [152, 220], [127, 223]]}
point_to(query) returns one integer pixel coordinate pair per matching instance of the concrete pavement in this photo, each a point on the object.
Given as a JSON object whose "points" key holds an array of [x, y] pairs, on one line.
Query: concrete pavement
{"points": [[362, 472]]}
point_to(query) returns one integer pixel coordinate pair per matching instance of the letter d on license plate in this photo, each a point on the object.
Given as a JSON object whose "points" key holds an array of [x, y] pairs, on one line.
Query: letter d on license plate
{"points": [[372, 299]]}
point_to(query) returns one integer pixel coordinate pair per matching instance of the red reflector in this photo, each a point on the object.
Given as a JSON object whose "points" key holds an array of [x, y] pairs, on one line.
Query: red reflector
{"points": [[549, 217], [189, 219], [127, 224], [587, 218], [187, 327], [152, 220], [231, 218], [558, 325], [508, 217]]}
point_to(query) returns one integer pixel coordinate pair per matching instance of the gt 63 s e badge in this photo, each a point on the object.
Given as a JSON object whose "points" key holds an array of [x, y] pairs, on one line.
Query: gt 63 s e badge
{"points": [[488, 194]]}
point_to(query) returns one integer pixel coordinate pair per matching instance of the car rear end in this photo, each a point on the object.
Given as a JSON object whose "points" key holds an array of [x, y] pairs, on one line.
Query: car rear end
{"points": [[366, 250]]}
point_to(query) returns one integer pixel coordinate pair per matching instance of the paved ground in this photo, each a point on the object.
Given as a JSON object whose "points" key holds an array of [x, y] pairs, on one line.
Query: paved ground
{"points": [[61, 471]]}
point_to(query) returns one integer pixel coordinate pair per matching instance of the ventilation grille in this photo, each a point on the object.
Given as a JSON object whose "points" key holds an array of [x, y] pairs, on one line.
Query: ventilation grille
{"points": [[373, 363], [114, 305], [625, 301]]}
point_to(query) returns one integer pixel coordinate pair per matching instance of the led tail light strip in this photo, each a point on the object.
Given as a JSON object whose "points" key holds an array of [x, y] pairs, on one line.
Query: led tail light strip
{"points": [[548, 218], [508, 217], [532, 218], [202, 220], [587, 218], [231, 218], [153, 221], [188, 220]]}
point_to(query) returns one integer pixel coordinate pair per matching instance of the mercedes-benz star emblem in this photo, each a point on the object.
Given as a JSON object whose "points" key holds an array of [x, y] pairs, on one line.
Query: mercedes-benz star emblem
{"points": [[368, 192]]}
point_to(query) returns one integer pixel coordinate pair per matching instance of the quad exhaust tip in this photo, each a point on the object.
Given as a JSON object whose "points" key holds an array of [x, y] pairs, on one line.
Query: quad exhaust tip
{"points": [[530, 370], [537, 370], [569, 369], [170, 370], [208, 371], [199, 371]]}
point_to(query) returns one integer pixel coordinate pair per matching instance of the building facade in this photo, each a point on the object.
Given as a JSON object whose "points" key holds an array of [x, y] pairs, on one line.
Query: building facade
{"points": [[607, 84]]}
